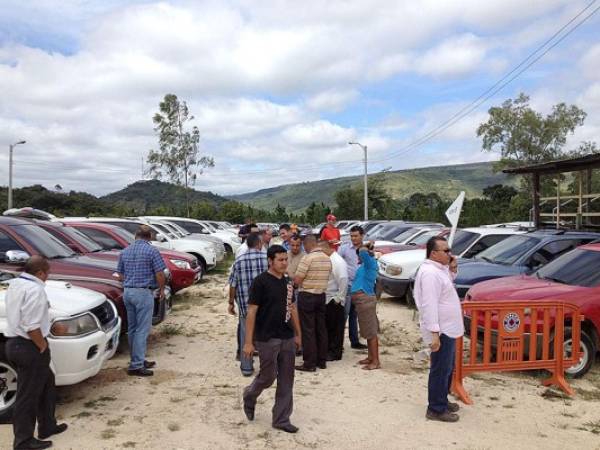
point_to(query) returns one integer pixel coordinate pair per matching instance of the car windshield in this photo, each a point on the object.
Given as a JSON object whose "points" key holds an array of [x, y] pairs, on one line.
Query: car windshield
{"points": [[78, 236], [462, 241], [509, 250], [402, 234], [174, 230], [423, 237], [217, 225], [164, 230], [130, 238], [46, 244], [579, 267]]}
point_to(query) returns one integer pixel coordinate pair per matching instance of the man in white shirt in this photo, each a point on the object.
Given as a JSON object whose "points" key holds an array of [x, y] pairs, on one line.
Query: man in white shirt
{"points": [[441, 322], [252, 228], [335, 299], [27, 350]]}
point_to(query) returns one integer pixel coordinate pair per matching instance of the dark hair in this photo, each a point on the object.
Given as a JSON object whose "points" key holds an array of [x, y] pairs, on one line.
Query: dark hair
{"points": [[295, 237], [253, 240], [35, 264], [144, 232], [432, 243], [284, 226], [358, 228], [274, 250]]}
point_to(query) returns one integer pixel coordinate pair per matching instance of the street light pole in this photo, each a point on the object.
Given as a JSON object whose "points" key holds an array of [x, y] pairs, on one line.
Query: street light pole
{"points": [[10, 172], [366, 190]]}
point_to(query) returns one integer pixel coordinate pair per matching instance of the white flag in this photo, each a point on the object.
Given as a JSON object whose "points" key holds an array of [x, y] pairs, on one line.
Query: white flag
{"points": [[453, 214]]}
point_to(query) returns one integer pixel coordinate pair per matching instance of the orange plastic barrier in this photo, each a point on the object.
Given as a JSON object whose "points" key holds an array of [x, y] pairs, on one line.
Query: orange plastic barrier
{"points": [[517, 336]]}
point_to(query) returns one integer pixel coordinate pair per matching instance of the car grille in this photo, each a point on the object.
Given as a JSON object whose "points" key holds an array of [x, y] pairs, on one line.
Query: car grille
{"points": [[105, 313]]}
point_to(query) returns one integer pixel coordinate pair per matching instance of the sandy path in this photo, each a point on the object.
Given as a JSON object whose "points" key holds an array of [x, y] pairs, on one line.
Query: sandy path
{"points": [[194, 399]]}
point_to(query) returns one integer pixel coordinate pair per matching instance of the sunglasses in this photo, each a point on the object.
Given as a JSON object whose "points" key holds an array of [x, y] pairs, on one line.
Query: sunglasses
{"points": [[445, 251]]}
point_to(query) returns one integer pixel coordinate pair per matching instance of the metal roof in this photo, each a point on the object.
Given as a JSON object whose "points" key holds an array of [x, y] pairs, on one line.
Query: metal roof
{"points": [[560, 165]]}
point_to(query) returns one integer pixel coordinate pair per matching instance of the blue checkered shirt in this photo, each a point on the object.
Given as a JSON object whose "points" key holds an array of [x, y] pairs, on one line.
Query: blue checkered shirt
{"points": [[245, 269], [139, 263]]}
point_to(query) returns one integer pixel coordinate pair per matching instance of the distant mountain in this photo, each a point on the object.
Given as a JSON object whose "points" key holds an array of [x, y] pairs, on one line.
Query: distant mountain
{"points": [[142, 196], [446, 181]]}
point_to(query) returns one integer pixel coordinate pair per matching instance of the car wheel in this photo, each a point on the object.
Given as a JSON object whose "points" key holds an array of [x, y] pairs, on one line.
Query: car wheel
{"points": [[410, 298], [8, 387], [588, 354], [228, 249]]}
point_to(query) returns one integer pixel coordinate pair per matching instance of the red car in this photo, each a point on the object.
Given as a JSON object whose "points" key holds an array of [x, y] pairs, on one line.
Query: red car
{"points": [[573, 277], [106, 241], [20, 238]]}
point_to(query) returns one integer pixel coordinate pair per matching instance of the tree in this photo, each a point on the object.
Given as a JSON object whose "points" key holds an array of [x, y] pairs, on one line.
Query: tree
{"points": [[178, 157], [279, 214], [500, 194], [524, 136]]}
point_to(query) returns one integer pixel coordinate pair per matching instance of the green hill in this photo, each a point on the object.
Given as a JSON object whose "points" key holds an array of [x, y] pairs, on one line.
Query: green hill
{"points": [[446, 181]]}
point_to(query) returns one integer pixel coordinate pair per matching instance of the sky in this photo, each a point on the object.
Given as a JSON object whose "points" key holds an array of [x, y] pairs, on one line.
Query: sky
{"points": [[278, 88]]}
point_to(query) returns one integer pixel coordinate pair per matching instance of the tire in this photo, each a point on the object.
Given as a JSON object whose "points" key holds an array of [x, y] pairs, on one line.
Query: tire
{"points": [[8, 387], [588, 349], [410, 298], [228, 249]]}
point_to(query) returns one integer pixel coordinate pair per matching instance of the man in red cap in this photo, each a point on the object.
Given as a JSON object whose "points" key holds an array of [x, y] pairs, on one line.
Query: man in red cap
{"points": [[330, 233]]}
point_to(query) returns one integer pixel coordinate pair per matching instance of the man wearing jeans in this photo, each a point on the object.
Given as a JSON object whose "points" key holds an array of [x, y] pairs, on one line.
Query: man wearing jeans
{"points": [[441, 322], [245, 269], [141, 270]]}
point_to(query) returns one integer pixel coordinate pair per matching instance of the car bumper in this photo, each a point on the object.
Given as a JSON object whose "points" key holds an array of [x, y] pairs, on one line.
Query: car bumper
{"points": [[181, 279], [392, 286], [77, 359]]}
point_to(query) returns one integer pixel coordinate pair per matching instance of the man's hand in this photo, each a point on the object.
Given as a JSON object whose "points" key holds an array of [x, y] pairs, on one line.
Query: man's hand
{"points": [[248, 350], [44, 346], [231, 308], [161, 294], [435, 343], [298, 342]]}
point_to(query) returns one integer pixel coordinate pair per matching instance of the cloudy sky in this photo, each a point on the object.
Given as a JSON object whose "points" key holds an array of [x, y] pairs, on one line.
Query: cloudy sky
{"points": [[278, 88]]}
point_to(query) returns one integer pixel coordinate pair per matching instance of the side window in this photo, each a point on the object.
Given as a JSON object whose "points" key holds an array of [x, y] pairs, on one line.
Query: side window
{"points": [[551, 251], [484, 243], [191, 227], [7, 243], [102, 238]]}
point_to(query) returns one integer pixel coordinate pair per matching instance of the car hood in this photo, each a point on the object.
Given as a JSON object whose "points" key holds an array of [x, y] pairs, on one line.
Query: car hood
{"points": [[64, 298], [525, 287], [471, 272], [85, 260], [404, 256]]}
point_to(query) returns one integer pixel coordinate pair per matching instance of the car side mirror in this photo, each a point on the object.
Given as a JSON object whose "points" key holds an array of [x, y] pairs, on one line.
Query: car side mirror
{"points": [[160, 237], [16, 257]]}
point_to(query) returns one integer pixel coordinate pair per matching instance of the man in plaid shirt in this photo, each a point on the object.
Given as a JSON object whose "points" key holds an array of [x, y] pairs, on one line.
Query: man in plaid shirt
{"points": [[245, 268]]}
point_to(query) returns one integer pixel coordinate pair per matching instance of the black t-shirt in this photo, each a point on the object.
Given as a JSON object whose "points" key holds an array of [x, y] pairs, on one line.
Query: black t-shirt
{"points": [[274, 297]]}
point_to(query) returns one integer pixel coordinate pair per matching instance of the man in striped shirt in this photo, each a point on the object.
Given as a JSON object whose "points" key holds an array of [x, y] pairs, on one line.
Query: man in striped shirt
{"points": [[312, 278], [245, 269]]}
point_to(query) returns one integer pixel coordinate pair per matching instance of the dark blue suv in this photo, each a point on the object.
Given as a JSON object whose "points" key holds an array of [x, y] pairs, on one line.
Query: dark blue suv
{"points": [[518, 254]]}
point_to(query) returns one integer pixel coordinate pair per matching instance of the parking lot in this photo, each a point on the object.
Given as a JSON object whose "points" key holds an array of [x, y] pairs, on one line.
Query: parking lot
{"points": [[194, 399]]}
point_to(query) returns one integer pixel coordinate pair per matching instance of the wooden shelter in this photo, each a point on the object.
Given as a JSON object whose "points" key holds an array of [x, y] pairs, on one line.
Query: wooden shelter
{"points": [[584, 216]]}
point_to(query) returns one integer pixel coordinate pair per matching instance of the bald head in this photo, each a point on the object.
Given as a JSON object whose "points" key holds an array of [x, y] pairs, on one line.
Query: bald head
{"points": [[310, 242], [324, 245], [37, 266]]}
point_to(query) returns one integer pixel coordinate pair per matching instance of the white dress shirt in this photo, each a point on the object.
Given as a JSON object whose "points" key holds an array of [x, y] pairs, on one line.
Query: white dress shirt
{"points": [[241, 250], [338, 280], [437, 301], [26, 307]]}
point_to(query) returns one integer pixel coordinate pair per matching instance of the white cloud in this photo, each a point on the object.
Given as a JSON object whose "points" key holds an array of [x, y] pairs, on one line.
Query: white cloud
{"points": [[453, 57], [332, 100]]}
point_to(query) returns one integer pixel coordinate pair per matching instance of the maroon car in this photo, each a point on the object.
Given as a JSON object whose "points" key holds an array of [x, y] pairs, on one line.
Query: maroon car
{"points": [[106, 241], [20, 238]]}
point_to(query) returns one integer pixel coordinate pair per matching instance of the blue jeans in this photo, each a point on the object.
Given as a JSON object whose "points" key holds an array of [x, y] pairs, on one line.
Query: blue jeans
{"points": [[139, 304], [246, 364], [352, 319], [440, 374]]}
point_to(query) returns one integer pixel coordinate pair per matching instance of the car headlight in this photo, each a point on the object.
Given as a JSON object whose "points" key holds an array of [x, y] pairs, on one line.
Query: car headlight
{"points": [[180, 263], [393, 270], [76, 326]]}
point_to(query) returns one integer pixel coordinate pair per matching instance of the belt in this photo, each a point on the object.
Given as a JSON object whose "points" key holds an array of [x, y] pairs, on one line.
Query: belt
{"points": [[139, 287]]}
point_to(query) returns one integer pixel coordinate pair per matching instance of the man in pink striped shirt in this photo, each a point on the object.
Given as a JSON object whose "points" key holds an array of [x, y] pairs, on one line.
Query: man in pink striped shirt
{"points": [[441, 322]]}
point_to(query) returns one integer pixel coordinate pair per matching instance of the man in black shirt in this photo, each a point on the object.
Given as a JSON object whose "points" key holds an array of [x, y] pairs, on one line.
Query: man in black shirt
{"points": [[272, 313]]}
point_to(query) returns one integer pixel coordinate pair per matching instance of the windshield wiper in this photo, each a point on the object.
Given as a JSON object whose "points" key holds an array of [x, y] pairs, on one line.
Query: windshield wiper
{"points": [[486, 259]]}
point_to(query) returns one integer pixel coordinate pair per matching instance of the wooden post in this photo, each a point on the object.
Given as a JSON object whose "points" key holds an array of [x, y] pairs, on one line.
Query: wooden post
{"points": [[536, 199], [558, 201], [578, 221]]}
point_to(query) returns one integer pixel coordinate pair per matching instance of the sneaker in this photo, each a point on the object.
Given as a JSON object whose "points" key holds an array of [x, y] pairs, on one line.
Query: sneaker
{"points": [[442, 417], [142, 372]]}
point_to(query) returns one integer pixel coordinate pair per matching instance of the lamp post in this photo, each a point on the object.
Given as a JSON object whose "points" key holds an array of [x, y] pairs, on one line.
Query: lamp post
{"points": [[366, 192], [10, 170]]}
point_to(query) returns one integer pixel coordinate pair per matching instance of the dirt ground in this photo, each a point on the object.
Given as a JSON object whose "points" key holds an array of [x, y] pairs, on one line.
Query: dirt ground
{"points": [[194, 399]]}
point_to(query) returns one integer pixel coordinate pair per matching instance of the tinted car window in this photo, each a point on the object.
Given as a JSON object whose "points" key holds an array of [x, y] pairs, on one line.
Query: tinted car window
{"points": [[509, 250], [423, 238], [401, 234], [462, 241], [89, 244], [102, 238], [132, 227], [578, 267], [484, 243], [46, 244], [7, 243], [191, 227], [125, 235], [553, 250]]}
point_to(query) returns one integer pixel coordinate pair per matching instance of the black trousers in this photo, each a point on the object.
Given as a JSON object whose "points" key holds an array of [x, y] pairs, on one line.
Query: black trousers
{"points": [[335, 318], [311, 309], [36, 392]]}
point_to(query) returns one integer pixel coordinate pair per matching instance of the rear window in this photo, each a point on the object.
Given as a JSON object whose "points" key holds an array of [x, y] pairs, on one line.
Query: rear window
{"points": [[462, 241], [579, 267], [509, 250]]}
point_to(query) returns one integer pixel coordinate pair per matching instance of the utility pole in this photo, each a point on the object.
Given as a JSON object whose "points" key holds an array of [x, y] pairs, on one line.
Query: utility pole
{"points": [[10, 172], [365, 187]]}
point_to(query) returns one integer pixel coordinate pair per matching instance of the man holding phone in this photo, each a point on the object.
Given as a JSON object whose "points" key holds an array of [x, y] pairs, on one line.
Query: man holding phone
{"points": [[441, 322]]}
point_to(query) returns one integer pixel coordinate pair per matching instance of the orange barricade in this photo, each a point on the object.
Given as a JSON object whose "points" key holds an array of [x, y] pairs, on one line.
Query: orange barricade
{"points": [[517, 336]]}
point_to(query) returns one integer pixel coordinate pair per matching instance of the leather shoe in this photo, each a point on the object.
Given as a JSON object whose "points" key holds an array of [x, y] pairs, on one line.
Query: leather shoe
{"points": [[453, 407], [35, 444], [142, 372], [442, 417], [59, 429], [359, 346], [288, 428], [249, 412], [322, 366], [333, 358], [303, 368], [149, 364]]}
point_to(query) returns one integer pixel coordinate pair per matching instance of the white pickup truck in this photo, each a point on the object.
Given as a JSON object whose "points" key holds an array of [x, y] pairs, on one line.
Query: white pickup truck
{"points": [[84, 335]]}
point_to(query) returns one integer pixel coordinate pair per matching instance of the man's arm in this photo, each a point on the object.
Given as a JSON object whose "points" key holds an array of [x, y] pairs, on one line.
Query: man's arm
{"points": [[430, 294], [296, 325], [161, 280], [33, 310], [38, 339], [231, 307], [301, 271], [248, 349]]}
